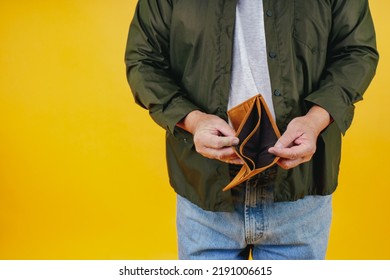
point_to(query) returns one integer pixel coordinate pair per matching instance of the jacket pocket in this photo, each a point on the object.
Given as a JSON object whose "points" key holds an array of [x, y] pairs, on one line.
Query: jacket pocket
{"points": [[312, 23]]}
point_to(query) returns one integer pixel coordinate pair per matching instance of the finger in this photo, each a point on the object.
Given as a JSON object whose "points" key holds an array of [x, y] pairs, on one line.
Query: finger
{"points": [[236, 161], [286, 153], [294, 152], [287, 139], [233, 159], [225, 129], [226, 155], [221, 154], [218, 142], [288, 163]]}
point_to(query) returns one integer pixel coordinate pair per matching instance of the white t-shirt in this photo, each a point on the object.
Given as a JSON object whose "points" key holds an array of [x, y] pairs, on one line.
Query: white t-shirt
{"points": [[250, 74]]}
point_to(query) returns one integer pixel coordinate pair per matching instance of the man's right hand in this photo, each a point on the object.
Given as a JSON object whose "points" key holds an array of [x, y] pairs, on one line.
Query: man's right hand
{"points": [[213, 137]]}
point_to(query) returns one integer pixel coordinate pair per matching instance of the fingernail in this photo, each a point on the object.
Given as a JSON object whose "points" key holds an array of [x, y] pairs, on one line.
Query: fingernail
{"points": [[235, 141]]}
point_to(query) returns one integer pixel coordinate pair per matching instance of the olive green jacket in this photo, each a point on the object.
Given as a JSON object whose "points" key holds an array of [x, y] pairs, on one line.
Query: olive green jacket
{"points": [[179, 59]]}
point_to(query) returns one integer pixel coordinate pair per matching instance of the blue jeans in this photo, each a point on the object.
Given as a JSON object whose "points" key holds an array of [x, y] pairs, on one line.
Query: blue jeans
{"points": [[258, 226]]}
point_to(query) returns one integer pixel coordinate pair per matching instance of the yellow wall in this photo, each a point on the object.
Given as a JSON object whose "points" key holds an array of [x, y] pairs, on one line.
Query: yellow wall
{"points": [[82, 169]]}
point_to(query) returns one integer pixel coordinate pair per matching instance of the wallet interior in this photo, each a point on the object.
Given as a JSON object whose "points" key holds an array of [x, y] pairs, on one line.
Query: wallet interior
{"points": [[256, 136]]}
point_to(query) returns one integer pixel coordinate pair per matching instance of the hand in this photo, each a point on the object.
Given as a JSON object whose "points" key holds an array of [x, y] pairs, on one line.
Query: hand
{"points": [[213, 137], [298, 143]]}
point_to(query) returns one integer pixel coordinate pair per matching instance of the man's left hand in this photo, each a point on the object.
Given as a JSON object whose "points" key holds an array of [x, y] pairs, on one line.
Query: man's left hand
{"points": [[298, 142]]}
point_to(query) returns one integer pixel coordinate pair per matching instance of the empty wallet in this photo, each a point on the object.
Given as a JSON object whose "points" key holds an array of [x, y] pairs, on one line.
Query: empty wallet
{"points": [[257, 132]]}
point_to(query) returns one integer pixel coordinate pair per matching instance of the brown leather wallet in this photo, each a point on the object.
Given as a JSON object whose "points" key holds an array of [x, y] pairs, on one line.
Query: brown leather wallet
{"points": [[257, 132]]}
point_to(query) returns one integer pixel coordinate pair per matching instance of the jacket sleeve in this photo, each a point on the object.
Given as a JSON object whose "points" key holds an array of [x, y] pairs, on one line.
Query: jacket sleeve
{"points": [[148, 65], [351, 63]]}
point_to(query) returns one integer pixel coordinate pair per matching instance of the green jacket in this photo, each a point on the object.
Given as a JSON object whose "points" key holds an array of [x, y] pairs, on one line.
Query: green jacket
{"points": [[179, 59]]}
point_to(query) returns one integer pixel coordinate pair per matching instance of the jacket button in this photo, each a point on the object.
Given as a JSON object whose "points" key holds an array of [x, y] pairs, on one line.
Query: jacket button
{"points": [[269, 13], [277, 92], [272, 54]]}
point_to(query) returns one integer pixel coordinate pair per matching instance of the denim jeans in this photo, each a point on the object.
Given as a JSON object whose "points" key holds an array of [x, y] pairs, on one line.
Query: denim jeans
{"points": [[258, 227]]}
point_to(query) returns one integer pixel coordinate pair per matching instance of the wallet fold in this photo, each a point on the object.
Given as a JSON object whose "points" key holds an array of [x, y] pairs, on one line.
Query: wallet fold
{"points": [[257, 132]]}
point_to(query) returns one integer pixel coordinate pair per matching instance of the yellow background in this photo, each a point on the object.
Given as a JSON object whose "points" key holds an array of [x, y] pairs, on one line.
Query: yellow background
{"points": [[82, 169]]}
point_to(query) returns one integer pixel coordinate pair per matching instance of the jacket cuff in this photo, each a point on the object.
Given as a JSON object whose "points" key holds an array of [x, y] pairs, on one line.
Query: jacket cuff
{"points": [[333, 100], [177, 109]]}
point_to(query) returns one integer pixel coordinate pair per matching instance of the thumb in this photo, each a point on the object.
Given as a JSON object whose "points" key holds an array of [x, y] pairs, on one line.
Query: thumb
{"points": [[285, 140], [226, 130]]}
